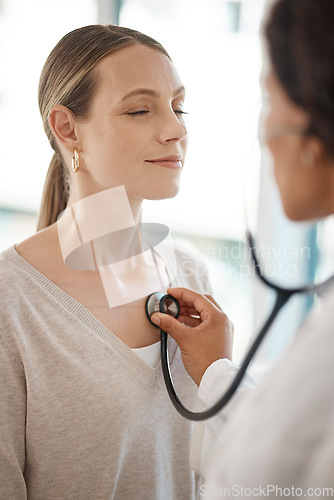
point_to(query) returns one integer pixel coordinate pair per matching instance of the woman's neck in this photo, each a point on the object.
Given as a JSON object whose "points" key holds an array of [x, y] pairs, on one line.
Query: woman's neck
{"points": [[102, 232], [135, 203], [100, 229]]}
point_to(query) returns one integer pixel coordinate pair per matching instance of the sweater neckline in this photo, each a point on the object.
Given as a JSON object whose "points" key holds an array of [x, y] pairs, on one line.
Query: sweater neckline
{"points": [[89, 320]]}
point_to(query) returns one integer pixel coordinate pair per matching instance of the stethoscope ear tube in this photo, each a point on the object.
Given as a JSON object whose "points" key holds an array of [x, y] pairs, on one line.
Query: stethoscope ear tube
{"points": [[282, 297]]}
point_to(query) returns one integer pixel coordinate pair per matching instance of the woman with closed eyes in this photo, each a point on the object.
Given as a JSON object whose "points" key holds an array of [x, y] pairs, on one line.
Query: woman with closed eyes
{"points": [[83, 408]]}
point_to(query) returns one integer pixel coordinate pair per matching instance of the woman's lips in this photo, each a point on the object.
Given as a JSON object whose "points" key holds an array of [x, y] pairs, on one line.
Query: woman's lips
{"points": [[168, 162]]}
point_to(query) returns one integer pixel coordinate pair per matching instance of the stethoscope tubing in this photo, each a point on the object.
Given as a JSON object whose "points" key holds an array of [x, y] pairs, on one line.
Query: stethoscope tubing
{"points": [[282, 298]]}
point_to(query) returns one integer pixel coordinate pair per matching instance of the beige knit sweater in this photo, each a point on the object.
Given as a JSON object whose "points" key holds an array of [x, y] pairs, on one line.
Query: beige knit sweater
{"points": [[81, 416]]}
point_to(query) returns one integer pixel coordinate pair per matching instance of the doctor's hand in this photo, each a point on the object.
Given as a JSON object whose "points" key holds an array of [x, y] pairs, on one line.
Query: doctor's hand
{"points": [[202, 330]]}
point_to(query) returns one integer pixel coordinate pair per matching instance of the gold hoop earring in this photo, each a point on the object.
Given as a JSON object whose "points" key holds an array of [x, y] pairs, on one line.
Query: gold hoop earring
{"points": [[307, 158], [75, 161]]}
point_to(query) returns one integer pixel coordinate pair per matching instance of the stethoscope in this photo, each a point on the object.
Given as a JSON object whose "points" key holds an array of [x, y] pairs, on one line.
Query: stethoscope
{"points": [[158, 302]]}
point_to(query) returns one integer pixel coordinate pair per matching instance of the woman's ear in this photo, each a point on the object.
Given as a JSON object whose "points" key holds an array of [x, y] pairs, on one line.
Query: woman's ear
{"points": [[62, 124]]}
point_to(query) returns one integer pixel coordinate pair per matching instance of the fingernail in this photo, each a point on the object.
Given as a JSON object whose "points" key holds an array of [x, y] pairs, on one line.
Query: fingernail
{"points": [[155, 319]]}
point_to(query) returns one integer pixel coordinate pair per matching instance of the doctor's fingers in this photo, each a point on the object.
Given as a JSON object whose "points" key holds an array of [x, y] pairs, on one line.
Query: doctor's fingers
{"points": [[189, 320], [200, 345], [183, 329], [186, 310], [195, 302], [173, 327]]}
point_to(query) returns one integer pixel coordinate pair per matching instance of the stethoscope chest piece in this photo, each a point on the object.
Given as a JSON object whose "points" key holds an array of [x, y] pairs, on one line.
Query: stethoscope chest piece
{"points": [[159, 302]]}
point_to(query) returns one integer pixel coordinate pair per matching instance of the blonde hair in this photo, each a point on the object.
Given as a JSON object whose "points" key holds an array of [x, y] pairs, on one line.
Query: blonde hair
{"points": [[68, 78]]}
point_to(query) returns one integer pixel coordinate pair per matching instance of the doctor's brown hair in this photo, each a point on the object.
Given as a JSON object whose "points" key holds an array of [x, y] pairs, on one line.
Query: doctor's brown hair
{"points": [[299, 34], [68, 78]]}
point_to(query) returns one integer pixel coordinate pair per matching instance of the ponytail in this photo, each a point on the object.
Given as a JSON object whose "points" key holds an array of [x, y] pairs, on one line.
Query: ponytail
{"points": [[55, 194]]}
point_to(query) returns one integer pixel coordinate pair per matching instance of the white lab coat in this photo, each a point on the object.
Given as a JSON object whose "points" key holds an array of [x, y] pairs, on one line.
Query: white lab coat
{"points": [[277, 438]]}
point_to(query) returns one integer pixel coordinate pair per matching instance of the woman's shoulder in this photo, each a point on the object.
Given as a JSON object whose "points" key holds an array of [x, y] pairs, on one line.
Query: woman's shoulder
{"points": [[192, 270], [187, 253], [25, 264], [19, 266], [8, 264], [15, 290], [12, 274]]}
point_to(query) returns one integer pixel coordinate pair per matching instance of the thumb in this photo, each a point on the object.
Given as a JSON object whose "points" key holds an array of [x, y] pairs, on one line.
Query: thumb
{"points": [[171, 326]]}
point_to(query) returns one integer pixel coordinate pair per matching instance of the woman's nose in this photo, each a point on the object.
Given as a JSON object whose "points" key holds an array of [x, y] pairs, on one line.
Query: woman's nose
{"points": [[171, 129]]}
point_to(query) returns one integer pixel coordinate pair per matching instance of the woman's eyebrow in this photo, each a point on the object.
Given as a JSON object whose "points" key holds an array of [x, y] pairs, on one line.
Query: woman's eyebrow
{"points": [[152, 93]]}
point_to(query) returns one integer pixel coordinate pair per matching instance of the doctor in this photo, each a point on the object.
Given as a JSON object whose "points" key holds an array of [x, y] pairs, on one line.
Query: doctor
{"points": [[277, 439]]}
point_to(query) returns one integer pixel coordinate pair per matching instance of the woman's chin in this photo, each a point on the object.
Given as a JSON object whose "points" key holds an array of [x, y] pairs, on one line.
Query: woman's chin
{"points": [[163, 194]]}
